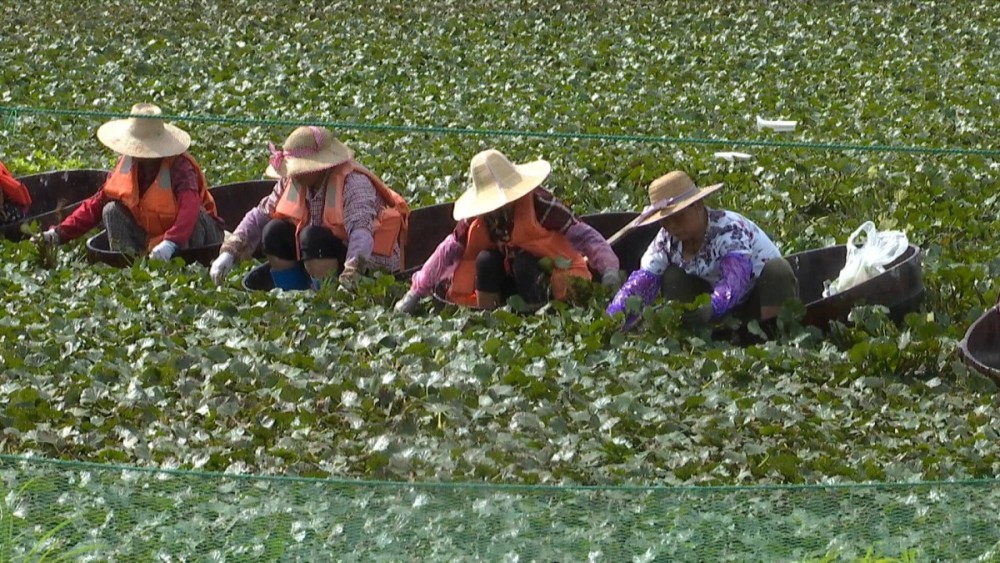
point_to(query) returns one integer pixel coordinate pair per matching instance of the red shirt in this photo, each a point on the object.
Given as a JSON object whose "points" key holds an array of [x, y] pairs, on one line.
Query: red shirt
{"points": [[184, 181], [14, 190]]}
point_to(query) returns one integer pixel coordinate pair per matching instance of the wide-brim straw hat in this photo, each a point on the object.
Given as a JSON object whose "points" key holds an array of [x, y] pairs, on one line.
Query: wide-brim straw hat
{"points": [[496, 181], [307, 149], [668, 194], [671, 193], [144, 137]]}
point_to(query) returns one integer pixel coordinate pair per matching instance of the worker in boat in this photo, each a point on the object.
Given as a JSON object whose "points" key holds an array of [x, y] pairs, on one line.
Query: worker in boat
{"points": [[510, 231], [701, 250], [156, 199], [327, 216], [14, 198]]}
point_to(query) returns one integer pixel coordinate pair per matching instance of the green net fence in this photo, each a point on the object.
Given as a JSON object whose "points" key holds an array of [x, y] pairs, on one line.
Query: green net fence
{"points": [[110, 513], [12, 114]]}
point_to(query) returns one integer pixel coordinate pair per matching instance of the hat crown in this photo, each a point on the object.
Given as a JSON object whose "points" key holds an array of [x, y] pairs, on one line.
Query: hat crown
{"points": [[496, 181], [307, 149], [492, 170], [150, 124], [672, 185], [308, 138], [144, 134]]}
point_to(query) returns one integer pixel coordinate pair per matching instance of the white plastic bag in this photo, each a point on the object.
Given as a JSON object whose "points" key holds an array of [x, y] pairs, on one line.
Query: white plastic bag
{"points": [[867, 261]]}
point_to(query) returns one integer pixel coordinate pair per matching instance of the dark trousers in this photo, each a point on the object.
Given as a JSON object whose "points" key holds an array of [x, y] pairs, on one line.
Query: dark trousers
{"points": [[776, 285], [525, 277], [10, 213], [125, 235], [278, 240]]}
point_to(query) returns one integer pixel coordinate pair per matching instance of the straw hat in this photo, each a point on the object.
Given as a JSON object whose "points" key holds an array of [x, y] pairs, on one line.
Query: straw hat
{"points": [[307, 149], [496, 181], [670, 194], [667, 195], [144, 137]]}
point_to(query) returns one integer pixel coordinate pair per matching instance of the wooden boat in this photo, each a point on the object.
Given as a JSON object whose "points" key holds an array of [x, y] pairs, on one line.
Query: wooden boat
{"points": [[233, 201], [900, 287], [54, 195], [630, 247], [428, 227], [431, 225], [980, 348]]}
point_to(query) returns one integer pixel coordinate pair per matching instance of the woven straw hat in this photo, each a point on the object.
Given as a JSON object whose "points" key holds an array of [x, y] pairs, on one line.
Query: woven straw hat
{"points": [[307, 149], [496, 181], [144, 137], [671, 193], [668, 195]]}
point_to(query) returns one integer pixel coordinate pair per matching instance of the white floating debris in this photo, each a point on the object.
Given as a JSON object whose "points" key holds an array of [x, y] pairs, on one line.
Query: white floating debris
{"points": [[733, 156], [775, 124]]}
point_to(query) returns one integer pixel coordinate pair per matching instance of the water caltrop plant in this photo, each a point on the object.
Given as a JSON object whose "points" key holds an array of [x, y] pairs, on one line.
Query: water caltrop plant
{"points": [[414, 423], [154, 366]]}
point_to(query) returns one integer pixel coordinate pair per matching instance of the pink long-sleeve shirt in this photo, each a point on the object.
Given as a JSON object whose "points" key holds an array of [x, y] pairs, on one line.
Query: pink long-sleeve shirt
{"points": [[551, 213]]}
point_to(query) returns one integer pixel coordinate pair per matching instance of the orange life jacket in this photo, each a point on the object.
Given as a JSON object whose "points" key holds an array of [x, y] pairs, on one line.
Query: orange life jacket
{"points": [[13, 190], [156, 210], [527, 235], [391, 226]]}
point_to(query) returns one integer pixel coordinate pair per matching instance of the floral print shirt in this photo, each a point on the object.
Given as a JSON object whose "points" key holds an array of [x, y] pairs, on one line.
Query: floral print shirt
{"points": [[728, 233], [731, 259]]}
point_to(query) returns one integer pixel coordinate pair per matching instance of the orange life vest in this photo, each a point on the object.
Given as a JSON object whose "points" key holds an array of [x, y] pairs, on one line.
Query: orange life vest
{"points": [[527, 235], [13, 190], [391, 226], [156, 209]]}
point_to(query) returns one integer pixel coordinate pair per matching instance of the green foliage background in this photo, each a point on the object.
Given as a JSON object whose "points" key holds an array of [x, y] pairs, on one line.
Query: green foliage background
{"points": [[154, 366]]}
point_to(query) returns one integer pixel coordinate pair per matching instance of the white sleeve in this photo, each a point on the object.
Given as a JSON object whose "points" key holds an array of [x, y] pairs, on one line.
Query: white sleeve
{"points": [[656, 258]]}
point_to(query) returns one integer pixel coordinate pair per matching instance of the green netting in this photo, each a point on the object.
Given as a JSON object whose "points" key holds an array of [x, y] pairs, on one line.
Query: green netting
{"points": [[113, 513], [13, 112]]}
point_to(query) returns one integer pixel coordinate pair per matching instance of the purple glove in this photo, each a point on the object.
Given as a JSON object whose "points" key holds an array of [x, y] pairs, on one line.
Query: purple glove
{"points": [[736, 282], [645, 285]]}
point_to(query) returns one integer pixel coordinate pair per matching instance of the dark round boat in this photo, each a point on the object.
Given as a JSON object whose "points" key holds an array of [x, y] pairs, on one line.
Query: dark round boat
{"points": [[980, 348], [900, 288], [232, 201], [54, 195], [629, 248], [428, 227], [632, 245]]}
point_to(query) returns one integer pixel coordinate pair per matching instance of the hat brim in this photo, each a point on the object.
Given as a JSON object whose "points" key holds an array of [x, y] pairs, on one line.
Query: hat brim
{"points": [[676, 208], [170, 141], [294, 166], [475, 202]]}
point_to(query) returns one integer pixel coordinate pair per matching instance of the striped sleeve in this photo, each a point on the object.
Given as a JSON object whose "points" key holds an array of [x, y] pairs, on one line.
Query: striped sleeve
{"points": [[552, 213]]}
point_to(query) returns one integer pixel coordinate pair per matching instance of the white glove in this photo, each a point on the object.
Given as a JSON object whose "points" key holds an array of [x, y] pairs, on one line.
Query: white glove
{"points": [[221, 267], [408, 304], [349, 277], [51, 237], [612, 279], [163, 251]]}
